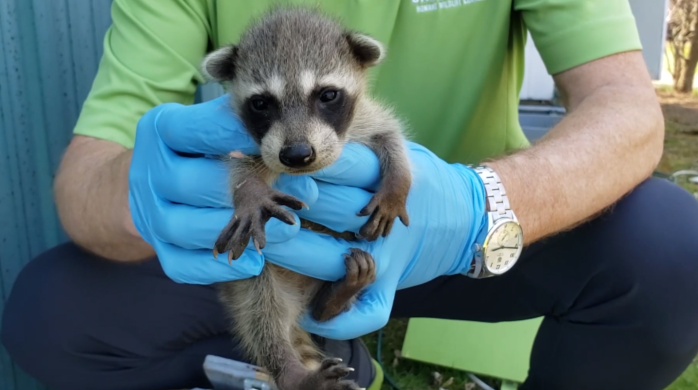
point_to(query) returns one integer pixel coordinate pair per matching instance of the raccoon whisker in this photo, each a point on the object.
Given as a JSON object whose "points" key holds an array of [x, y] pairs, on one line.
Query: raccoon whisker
{"points": [[257, 170], [240, 184]]}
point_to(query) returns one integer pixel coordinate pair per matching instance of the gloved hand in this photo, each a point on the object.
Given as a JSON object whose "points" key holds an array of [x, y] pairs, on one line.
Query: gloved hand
{"points": [[180, 204], [446, 206]]}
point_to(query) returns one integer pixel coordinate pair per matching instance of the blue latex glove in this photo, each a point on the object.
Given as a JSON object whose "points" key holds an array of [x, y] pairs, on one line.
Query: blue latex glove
{"points": [[180, 204], [446, 206]]}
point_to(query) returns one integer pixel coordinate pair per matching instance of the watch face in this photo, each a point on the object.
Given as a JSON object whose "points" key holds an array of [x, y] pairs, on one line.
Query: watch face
{"points": [[503, 247]]}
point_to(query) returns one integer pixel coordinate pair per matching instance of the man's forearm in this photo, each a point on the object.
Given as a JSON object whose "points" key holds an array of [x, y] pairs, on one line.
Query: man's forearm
{"points": [[91, 193], [610, 141]]}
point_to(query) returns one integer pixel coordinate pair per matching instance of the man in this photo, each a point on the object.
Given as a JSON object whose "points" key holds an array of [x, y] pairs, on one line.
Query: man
{"points": [[611, 257]]}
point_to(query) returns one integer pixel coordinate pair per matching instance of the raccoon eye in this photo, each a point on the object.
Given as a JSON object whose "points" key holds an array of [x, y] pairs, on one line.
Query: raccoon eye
{"points": [[328, 96], [259, 103]]}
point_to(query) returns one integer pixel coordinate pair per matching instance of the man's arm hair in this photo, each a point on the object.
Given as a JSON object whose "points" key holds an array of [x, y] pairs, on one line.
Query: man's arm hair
{"points": [[151, 56], [610, 141], [91, 192]]}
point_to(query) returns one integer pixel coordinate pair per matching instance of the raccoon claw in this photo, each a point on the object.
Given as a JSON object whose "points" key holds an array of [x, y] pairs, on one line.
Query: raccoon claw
{"points": [[328, 377], [383, 209], [333, 369], [235, 238], [282, 199], [256, 246], [249, 220], [215, 255]]}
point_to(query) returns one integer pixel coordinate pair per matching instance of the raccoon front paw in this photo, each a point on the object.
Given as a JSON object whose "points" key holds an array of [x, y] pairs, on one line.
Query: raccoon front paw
{"points": [[329, 377], [383, 208], [249, 219]]}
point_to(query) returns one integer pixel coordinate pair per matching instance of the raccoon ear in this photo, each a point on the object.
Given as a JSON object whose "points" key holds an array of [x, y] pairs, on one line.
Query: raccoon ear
{"points": [[219, 65], [366, 49]]}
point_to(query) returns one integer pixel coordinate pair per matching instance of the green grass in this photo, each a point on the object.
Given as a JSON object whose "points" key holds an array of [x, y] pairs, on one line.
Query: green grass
{"points": [[669, 88], [408, 374], [681, 152], [689, 379]]}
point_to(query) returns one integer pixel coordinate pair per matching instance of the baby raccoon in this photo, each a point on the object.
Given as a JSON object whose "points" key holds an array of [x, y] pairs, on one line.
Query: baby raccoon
{"points": [[298, 83]]}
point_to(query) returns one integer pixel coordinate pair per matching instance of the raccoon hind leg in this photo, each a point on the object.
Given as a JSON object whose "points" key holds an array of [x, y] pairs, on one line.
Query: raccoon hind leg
{"points": [[263, 312], [309, 354], [320, 373]]}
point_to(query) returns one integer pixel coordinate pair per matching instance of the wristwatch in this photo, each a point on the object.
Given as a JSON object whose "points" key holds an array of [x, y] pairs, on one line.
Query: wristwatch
{"points": [[500, 244]]}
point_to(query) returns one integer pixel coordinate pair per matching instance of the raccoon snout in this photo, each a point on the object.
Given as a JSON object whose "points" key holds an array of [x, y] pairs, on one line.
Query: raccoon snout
{"points": [[297, 155]]}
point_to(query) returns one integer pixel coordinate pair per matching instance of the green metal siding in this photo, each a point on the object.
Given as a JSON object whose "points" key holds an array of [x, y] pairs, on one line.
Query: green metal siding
{"points": [[50, 53]]}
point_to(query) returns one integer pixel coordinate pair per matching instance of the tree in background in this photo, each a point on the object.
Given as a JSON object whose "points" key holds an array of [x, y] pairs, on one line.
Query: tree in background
{"points": [[683, 43]]}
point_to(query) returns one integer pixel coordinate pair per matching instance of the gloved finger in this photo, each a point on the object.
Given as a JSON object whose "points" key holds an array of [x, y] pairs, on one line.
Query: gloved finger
{"points": [[336, 207], [204, 182], [357, 166], [200, 267], [190, 227], [209, 128], [316, 255], [368, 314], [201, 182]]}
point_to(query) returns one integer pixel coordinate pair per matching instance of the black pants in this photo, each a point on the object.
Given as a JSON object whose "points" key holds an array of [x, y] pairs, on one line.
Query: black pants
{"points": [[619, 296]]}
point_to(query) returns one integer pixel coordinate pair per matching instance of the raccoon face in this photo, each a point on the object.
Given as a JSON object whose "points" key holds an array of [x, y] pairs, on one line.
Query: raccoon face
{"points": [[299, 128], [295, 80]]}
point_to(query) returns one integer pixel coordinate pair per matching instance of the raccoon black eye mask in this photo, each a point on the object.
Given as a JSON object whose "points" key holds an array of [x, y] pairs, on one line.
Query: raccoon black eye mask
{"points": [[298, 83]]}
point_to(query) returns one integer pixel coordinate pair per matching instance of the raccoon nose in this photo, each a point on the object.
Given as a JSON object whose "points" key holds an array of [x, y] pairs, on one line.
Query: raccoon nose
{"points": [[297, 155]]}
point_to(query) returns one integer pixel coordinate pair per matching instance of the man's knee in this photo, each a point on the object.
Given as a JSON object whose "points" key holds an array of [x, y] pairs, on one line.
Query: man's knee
{"points": [[76, 321], [650, 242], [658, 221]]}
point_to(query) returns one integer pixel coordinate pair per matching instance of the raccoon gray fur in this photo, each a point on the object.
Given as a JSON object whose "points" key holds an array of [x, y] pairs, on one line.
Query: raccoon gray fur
{"points": [[298, 82]]}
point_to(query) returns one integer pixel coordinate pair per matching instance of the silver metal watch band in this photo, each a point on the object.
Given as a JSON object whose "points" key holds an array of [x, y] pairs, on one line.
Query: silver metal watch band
{"points": [[497, 200], [498, 208]]}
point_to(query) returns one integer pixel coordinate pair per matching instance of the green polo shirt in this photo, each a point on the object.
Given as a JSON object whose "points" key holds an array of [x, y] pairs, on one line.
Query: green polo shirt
{"points": [[453, 71]]}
